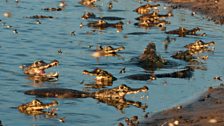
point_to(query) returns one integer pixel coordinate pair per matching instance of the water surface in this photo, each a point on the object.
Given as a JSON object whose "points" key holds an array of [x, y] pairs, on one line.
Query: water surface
{"points": [[42, 42]]}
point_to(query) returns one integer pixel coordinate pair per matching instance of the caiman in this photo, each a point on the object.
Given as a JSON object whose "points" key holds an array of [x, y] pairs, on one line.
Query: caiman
{"points": [[114, 96], [107, 51], [186, 74], [39, 17], [91, 15], [153, 16], [36, 107], [144, 9], [88, 3], [184, 55], [113, 93], [101, 24], [199, 45], [153, 23], [182, 32], [53, 9], [36, 70], [102, 76], [150, 59]]}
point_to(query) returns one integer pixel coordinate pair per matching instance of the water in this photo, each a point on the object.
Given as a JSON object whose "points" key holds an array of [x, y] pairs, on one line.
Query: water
{"points": [[43, 41]]}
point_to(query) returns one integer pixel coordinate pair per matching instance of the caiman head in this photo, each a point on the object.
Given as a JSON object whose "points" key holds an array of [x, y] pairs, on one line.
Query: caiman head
{"points": [[149, 58], [35, 107], [38, 69], [87, 15], [101, 75], [110, 49], [107, 51], [118, 92]]}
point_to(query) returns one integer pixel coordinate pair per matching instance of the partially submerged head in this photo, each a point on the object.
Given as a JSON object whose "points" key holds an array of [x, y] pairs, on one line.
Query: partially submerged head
{"points": [[37, 69], [119, 92]]}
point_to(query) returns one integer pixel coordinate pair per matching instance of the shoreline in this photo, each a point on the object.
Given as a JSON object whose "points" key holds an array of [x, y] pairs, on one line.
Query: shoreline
{"points": [[212, 9], [207, 110]]}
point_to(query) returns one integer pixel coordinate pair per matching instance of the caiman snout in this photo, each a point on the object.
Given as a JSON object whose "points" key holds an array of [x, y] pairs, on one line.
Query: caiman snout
{"points": [[137, 90], [55, 63]]}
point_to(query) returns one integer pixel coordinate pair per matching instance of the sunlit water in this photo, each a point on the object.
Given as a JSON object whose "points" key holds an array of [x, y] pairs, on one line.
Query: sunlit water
{"points": [[42, 42]]}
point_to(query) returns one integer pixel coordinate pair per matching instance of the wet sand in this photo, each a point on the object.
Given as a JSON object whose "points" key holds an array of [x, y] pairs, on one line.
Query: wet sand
{"points": [[207, 110], [211, 9]]}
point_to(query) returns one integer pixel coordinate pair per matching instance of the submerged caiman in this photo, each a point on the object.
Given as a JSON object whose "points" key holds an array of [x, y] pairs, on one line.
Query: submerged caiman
{"points": [[91, 15], [114, 96], [182, 32], [185, 73], [102, 24], [150, 60]]}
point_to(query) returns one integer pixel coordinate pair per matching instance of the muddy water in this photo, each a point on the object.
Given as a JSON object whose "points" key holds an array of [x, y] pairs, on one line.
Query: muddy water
{"points": [[42, 41]]}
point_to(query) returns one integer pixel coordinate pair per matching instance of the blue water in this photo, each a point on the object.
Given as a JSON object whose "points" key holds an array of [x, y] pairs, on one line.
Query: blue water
{"points": [[42, 42]]}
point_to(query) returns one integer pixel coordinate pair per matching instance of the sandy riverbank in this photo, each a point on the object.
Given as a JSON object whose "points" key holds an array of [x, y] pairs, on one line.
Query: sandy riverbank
{"points": [[207, 110], [211, 9]]}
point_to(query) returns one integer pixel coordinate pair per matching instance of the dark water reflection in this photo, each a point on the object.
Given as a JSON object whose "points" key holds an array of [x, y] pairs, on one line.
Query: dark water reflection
{"points": [[42, 42]]}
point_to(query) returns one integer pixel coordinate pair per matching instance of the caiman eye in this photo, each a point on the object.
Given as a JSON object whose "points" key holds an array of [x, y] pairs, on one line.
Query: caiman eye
{"points": [[121, 87]]}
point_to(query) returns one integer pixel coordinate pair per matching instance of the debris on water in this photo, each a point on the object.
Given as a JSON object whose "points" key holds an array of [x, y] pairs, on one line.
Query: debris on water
{"points": [[193, 13], [72, 33], [37, 22], [217, 78], [15, 31], [59, 51], [110, 5], [90, 46], [81, 25], [7, 26], [82, 82], [120, 124], [62, 4], [7, 14], [123, 70], [61, 119]]}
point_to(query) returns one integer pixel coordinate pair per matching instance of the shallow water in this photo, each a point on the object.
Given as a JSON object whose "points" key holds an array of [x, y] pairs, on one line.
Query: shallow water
{"points": [[34, 42]]}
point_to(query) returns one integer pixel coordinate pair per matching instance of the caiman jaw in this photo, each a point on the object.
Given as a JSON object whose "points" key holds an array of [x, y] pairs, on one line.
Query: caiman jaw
{"points": [[52, 64]]}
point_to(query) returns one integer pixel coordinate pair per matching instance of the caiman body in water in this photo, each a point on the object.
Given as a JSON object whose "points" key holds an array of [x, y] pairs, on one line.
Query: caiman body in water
{"points": [[102, 24], [116, 92], [91, 15], [182, 32], [150, 60], [114, 96]]}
